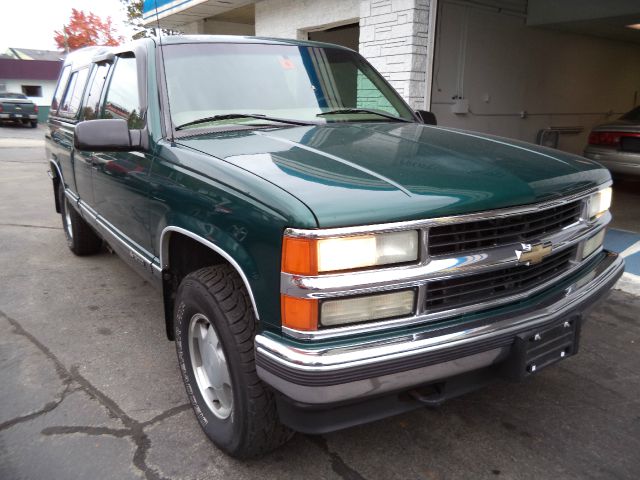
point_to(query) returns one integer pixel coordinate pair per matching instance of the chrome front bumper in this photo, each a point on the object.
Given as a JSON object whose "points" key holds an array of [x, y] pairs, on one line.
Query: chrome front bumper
{"points": [[359, 370]]}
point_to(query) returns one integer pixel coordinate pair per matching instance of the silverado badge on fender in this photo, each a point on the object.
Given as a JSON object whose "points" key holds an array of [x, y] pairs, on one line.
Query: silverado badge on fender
{"points": [[532, 254]]}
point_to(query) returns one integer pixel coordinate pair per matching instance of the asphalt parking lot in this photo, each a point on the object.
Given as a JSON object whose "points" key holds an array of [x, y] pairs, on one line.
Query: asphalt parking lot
{"points": [[90, 387]]}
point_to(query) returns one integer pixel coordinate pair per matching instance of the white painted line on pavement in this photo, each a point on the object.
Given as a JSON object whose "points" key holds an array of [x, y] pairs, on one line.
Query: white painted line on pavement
{"points": [[635, 248]]}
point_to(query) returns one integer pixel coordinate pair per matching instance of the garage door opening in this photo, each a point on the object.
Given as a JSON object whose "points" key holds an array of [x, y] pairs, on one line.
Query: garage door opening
{"points": [[513, 71], [345, 35]]}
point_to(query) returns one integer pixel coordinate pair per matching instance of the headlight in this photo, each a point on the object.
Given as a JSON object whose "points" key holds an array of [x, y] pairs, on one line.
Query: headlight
{"points": [[304, 256], [599, 202], [309, 314], [370, 307], [592, 244]]}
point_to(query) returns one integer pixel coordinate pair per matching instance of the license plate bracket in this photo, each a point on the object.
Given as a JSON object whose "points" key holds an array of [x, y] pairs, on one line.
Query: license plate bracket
{"points": [[538, 348]]}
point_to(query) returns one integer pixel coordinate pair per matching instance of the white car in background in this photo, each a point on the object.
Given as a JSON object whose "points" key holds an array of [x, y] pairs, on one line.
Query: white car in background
{"points": [[616, 145]]}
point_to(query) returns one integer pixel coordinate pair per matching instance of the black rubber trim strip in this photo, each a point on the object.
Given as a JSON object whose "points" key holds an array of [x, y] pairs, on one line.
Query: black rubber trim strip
{"points": [[319, 419]]}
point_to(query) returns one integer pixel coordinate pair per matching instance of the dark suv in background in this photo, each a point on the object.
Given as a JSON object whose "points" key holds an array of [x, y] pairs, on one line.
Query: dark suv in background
{"points": [[17, 108]]}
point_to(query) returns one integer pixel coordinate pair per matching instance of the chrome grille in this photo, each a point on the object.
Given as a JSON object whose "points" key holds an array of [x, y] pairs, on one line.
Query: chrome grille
{"points": [[471, 289], [480, 234]]}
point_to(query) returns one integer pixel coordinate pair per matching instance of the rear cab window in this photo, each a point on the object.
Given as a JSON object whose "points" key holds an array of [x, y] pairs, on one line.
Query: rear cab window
{"points": [[70, 104], [93, 95], [60, 89]]}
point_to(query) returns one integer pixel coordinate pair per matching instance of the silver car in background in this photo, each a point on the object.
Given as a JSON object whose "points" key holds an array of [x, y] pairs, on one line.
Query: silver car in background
{"points": [[616, 145]]}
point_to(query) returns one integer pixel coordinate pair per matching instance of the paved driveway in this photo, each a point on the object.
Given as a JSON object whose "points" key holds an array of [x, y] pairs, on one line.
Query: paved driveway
{"points": [[90, 387]]}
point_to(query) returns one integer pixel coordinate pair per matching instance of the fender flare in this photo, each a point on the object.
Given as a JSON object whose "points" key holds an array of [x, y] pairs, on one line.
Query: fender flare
{"points": [[57, 177], [164, 257], [58, 171]]}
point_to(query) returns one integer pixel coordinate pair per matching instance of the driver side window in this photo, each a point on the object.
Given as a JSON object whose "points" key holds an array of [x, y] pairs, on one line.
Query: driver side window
{"points": [[122, 99]]}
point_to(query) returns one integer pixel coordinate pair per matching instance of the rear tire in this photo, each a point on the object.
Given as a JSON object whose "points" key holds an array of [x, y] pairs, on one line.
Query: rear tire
{"points": [[34, 124], [81, 239], [214, 328]]}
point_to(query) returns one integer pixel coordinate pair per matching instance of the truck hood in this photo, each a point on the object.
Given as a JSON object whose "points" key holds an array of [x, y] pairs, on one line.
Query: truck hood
{"points": [[364, 173]]}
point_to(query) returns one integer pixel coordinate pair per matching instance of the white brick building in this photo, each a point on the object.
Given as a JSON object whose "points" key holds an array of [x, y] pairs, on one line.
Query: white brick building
{"points": [[507, 67]]}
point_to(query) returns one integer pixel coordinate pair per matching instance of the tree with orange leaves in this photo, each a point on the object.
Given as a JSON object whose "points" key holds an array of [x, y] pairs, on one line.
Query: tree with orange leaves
{"points": [[85, 29]]}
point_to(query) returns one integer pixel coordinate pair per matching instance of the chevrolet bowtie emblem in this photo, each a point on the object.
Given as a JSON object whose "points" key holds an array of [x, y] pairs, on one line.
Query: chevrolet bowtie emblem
{"points": [[531, 254]]}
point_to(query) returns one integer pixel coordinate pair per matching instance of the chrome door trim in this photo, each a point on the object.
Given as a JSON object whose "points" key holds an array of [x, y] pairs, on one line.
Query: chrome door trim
{"points": [[164, 257], [72, 196], [114, 232], [106, 229]]}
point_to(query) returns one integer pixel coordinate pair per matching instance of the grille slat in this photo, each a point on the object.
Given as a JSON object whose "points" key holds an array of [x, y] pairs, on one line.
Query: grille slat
{"points": [[493, 284], [463, 237], [471, 289], [525, 233], [464, 226]]}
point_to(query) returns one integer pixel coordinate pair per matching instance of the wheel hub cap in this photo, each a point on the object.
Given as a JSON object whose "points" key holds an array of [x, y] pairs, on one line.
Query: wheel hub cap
{"points": [[210, 366]]}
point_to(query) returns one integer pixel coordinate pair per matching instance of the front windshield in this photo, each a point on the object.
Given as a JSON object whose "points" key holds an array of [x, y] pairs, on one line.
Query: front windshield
{"points": [[283, 81]]}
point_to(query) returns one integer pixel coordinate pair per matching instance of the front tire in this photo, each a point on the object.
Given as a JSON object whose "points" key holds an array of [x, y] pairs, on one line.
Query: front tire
{"points": [[214, 330], [81, 239]]}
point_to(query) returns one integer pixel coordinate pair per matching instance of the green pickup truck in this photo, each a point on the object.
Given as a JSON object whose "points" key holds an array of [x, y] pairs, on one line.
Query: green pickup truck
{"points": [[16, 107], [326, 255]]}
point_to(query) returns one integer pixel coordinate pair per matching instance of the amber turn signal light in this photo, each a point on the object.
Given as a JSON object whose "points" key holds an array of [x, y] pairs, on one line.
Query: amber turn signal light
{"points": [[299, 256], [299, 313]]}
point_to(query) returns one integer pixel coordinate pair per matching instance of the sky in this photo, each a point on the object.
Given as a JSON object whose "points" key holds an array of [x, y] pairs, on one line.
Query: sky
{"points": [[31, 23]]}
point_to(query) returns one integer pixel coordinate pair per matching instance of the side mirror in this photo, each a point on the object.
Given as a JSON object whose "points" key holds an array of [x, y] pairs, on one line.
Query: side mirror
{"points": [[107, 135], [426, 117]]}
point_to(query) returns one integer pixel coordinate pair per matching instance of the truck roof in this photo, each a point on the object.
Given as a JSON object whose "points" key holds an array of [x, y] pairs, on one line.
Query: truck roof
{"points": [[176, 39], [87, 55]]}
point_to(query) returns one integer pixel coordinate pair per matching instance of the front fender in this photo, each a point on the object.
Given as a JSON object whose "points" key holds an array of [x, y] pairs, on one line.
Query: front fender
{"points": [[233, 212]]}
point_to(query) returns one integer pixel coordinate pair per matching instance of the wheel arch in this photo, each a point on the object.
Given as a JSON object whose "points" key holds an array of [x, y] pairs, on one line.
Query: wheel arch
{"points": [[57, 180], [170, 280]]}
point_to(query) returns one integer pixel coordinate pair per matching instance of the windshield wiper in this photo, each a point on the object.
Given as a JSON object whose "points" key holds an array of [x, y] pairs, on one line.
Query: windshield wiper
{"points": [[231, 116], [340, 111]]}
